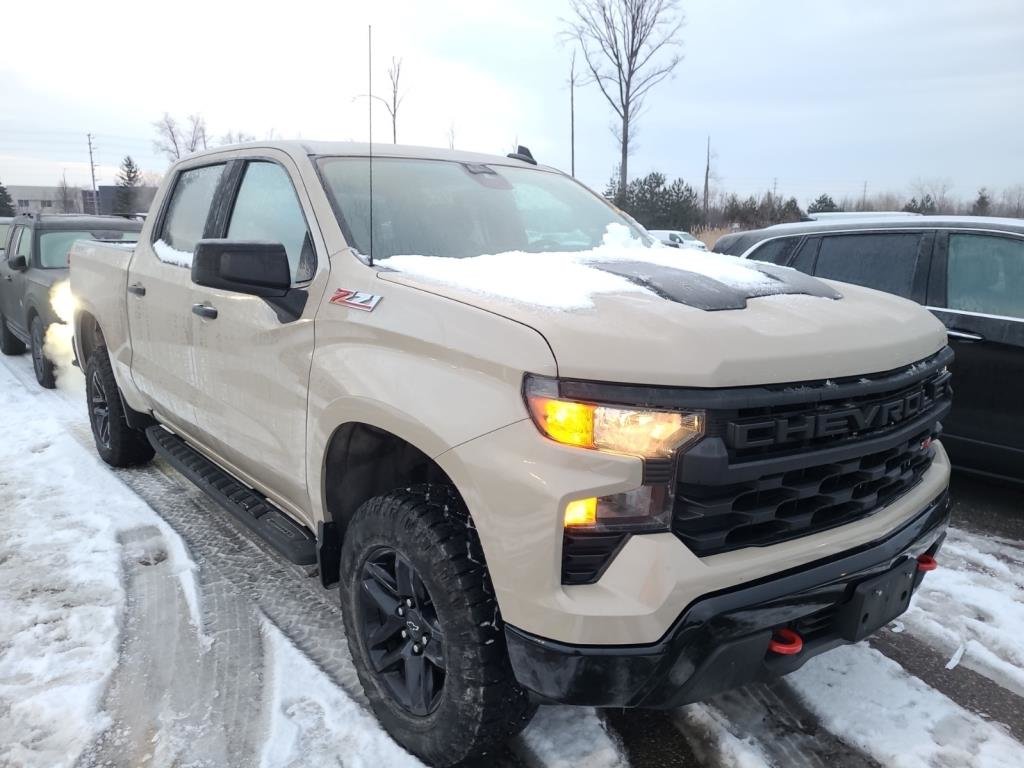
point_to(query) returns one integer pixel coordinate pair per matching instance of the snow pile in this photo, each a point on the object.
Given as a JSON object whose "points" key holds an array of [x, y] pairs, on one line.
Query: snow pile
{"points": [[168, 254], [569, 280], [868, 700], [566, 737], [972, 607], [61, 597], [313, 722]]}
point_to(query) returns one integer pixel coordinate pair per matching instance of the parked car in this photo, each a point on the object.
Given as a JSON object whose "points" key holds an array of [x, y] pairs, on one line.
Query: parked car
{"points": [[679, 238], [5, 225], [604, 479], [34, 260], [969, 271]]}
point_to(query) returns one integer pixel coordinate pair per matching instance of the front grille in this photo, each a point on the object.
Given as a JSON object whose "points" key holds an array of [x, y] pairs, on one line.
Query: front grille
{"points": [[774, 508], [807, 467]]}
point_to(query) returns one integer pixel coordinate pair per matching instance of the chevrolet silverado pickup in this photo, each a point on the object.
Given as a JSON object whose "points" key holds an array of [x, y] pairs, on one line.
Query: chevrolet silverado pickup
{"points": [[542, 458]]}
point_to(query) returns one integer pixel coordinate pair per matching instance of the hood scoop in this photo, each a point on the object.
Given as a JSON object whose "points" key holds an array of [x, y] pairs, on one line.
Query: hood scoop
{"points": [[702, 291]]}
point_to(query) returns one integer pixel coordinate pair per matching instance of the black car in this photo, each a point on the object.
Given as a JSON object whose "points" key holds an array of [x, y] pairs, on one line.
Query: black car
{"points": [[34, 258], [969, 271]]}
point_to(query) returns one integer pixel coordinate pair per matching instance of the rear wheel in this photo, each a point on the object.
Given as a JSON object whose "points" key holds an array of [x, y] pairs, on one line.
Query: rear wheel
{"points": [[9, 343], [422, 627], [117, 443], [40, 362]]}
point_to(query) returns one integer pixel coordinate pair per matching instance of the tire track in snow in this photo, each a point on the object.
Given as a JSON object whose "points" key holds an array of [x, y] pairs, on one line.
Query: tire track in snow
{"points": [[179, 695], [968, 688]]}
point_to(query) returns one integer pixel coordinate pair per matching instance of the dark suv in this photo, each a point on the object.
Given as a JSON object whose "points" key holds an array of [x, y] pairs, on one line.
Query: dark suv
{"points": [[969, 271], [35, 257]]}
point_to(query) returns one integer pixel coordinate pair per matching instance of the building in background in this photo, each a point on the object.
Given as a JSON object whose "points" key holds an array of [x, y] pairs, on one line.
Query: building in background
{"points": [[30, 199]]}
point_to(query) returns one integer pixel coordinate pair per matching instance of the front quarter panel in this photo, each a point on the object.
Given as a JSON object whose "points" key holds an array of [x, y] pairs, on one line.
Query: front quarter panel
{"points": [[431, 370]]}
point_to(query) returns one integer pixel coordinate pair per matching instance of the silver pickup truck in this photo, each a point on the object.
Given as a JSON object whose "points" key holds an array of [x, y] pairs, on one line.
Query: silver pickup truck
{"points": [[543, 457]]}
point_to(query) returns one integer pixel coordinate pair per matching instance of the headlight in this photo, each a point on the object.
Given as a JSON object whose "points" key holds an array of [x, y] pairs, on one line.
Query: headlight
{"points": [[633, 431]]}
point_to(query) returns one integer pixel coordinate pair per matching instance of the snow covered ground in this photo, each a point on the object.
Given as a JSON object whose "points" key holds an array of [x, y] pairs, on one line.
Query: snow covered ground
{"points": [[134, 630]]}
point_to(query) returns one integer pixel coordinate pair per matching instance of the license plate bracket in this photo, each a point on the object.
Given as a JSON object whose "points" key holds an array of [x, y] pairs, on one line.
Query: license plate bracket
{"points": [[877, 601]]}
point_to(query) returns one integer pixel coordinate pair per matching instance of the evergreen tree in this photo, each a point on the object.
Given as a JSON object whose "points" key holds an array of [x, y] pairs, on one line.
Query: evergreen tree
{"points": [[925, 205], [128, 180], [824, 204], [6, 204], [983, 204]]}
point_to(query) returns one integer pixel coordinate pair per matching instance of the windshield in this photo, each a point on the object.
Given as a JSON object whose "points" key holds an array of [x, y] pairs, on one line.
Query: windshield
{"points": [[447, 208], [54, 246]]}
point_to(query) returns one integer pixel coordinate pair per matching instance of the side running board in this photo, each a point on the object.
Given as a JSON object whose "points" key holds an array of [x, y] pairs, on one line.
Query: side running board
{"points": [[292, 540]]}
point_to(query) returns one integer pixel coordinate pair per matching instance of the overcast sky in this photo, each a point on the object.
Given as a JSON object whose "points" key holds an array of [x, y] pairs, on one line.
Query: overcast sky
{"points": [[814, 96]]}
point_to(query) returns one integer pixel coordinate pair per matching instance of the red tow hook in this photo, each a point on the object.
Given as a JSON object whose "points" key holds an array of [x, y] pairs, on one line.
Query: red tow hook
{"points": [[926, 563], [786, 642]]}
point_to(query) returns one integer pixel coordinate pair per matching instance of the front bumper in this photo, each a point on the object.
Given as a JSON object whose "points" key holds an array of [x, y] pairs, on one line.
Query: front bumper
{"points": [[721, 641]]}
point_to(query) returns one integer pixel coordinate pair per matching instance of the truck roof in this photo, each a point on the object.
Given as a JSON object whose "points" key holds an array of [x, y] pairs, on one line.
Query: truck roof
{"points": [[300, 148], [77, 221]]}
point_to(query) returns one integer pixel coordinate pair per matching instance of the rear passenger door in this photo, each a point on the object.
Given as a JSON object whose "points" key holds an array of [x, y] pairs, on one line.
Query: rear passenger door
{"points": [[253, 359], [894, 262], [12, 281], [977, 290], [159, 297]]}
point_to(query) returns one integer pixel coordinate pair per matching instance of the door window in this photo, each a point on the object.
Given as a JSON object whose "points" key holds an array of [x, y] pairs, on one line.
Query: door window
{"points": [[775, 251], [886, 262], [185, 220], [25, 245], [267, 209], [12, 246], [985, 273]]}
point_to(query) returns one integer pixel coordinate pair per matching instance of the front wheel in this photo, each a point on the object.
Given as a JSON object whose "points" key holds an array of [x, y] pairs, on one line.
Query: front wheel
{"points": [[422, 626], [40, 362], [117, 443]]}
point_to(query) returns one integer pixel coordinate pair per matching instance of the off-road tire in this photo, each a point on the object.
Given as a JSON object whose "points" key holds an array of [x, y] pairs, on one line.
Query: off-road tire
{"points": [[9, 343], [41, 364], [480, 705], [120, 445]]}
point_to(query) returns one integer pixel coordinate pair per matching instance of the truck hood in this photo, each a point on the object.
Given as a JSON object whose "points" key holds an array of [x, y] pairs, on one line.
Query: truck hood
{"points": [[668, 317]]}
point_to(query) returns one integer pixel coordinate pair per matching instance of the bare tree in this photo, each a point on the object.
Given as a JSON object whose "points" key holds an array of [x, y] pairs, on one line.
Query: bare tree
{"points": [[938, 190], [236, 137], [67, 196], [451, 136], [175, 141], [629, 46], [196, 136], [394, 73], [1012, 201], [168, 138]]}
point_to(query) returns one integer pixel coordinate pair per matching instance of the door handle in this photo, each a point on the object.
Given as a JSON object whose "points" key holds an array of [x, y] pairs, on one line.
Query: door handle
{"points": [[953, 333], [137, 288], [204, 310]]}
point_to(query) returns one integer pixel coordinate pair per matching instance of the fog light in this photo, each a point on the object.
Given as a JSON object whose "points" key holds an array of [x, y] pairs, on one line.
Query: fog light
{"points": [[581, 512]]}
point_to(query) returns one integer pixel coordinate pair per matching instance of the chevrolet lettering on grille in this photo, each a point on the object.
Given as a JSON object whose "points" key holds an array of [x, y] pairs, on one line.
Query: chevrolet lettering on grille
{"points": [[840, 421]]}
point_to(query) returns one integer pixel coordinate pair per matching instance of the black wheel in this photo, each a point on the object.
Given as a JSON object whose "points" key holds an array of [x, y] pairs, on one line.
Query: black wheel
{"points": [[40, 362], [9, 343], [423, 630], [117, 444]]}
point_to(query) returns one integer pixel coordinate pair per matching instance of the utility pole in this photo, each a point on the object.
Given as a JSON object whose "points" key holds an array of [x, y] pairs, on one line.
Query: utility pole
{"points": [[92, 169], [864, 196], [572, 115], [707, 175]]}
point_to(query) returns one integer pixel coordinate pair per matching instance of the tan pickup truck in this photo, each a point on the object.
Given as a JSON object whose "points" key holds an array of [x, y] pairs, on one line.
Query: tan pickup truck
{"points": [[543, 457]]}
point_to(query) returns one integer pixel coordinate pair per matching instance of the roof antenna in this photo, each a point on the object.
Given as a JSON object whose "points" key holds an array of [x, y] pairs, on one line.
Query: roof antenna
{"points": [[369, 109]]}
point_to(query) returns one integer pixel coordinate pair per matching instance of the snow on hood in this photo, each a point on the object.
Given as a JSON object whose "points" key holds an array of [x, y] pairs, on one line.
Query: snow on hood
{"points": [[570, 280]]}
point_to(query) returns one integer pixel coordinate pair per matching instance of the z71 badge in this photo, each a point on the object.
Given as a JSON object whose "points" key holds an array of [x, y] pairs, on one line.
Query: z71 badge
{"points": [[356, 299]]}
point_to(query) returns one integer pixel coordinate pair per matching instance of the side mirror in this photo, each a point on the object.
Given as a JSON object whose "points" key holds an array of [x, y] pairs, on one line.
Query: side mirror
{"points": [[255, 268], [18, 262]]}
